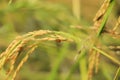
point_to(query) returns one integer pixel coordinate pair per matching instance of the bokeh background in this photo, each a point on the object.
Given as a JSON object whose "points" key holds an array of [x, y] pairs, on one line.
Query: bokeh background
{"points": [[22, 16]]}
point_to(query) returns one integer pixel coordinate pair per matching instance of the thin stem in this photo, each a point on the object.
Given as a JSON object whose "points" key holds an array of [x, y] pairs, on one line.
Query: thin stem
{"points": [[106, 55], [116, 74]]}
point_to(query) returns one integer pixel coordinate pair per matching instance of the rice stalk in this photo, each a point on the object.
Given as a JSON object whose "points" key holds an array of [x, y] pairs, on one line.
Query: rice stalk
{"points": [[27, 43], [91, 65], [117, 73], [14, 49]]}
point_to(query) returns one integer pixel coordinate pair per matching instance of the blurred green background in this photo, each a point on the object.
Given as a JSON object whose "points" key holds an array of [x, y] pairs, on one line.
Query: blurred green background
{"points": [[22, 16]]}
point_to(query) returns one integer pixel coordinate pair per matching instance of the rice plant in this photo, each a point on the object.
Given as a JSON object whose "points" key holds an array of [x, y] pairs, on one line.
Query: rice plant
{"points": [[92, 49]]}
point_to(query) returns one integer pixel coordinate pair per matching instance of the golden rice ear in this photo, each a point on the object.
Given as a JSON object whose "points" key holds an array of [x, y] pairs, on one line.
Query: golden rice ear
{"points": [[114, 32], [99, 15], [117, 24], [93, 63], [102, 10], [23, 61], [23, 43]]}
